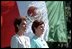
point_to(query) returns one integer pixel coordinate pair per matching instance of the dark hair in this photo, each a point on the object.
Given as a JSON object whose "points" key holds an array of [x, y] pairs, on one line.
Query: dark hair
{"points": [[31, 10], [18, 22], [35, 24]]}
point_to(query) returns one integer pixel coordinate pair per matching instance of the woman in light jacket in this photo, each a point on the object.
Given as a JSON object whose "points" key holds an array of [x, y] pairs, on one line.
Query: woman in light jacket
{"points": [[19, 40], [38, 29]]}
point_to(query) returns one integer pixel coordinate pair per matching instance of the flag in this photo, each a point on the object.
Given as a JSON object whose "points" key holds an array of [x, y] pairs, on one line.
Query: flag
{"points": [[9, 12], [53, 16], [57, 22]]}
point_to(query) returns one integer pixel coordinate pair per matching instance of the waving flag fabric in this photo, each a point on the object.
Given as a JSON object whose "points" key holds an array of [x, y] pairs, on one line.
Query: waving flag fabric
{"points": [[57, 23], [10, 10]]}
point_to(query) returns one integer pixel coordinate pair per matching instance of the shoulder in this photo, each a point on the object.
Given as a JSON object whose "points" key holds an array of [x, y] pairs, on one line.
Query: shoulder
{"points": [[33, 43], [33, 40], [14, 37]]}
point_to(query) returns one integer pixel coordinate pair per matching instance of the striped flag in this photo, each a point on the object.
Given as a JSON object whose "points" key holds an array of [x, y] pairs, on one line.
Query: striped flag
{"points": [[57, 22], [9, 12], [53, 16]]}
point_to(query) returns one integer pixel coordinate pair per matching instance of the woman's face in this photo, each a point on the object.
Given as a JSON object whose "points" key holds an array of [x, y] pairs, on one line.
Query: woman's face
{"points": [[22, 25], [39, 30]]}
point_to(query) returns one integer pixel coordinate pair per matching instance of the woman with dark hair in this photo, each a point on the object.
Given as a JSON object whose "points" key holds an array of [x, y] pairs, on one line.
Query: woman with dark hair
{"points": [[19, 40], [37, 41]]}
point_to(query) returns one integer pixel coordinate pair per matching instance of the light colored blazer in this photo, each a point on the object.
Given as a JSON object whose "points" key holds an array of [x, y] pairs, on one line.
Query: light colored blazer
{"points": [[37, 42], [20, 41]]}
